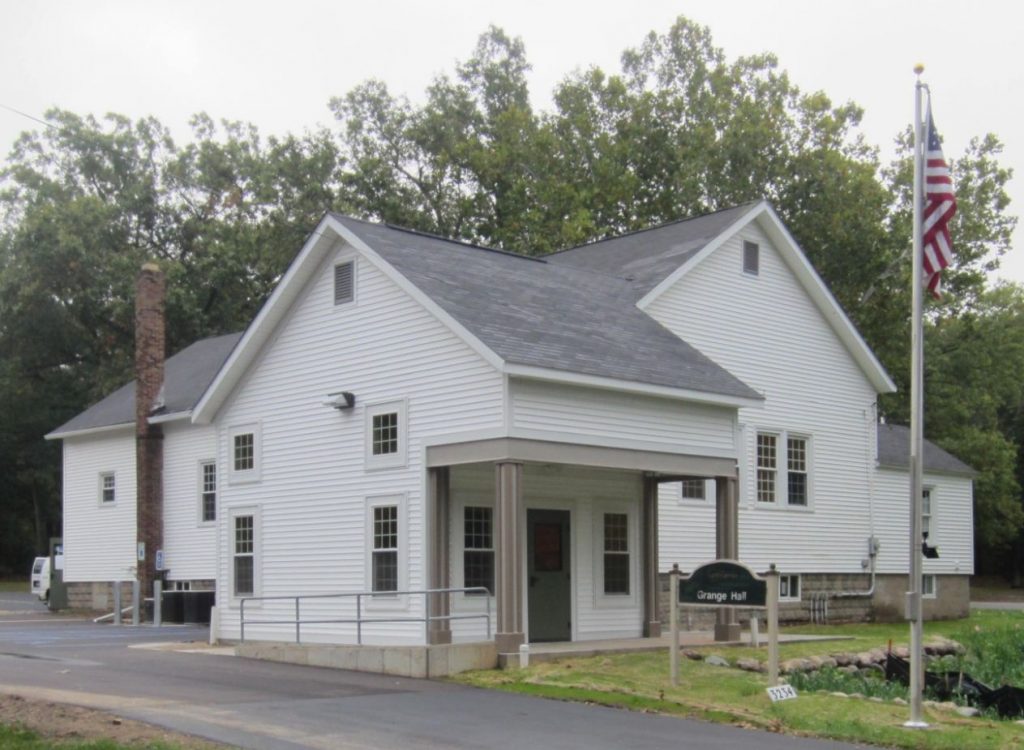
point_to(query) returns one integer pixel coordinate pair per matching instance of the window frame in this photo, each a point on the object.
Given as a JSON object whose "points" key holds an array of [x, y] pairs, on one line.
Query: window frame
{"points": [[604, 600], [253, 512], [788, 579], [241, 476], [781, 471], [202, 490], [399, 458], [928, 519], [102, 489], [387, 599], [925, 594]]}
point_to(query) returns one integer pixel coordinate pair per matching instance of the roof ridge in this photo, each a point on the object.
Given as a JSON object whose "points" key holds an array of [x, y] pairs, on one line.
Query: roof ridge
{"points": [[655, 227]]}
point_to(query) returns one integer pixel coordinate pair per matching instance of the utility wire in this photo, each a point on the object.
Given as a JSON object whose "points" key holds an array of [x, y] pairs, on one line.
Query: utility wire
{"points": [[25, 114]]}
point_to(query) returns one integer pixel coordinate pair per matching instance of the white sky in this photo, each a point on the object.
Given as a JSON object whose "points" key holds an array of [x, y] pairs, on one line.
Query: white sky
{"points": [[276, 64]]}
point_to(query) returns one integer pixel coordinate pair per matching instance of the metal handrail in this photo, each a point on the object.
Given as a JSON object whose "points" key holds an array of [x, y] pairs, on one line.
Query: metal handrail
{"points": [[359, 620]]}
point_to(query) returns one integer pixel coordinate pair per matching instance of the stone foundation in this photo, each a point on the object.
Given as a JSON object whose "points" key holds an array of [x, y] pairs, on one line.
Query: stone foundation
{"points": [[819, 601], [98, 596]]}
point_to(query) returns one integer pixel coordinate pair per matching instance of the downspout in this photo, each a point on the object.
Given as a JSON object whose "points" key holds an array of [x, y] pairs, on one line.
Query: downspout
{"points": [[869, 462]]}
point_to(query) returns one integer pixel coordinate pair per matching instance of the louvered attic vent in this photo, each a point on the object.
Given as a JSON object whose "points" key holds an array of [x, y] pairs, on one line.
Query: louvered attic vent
{"points": [[344, 282]]}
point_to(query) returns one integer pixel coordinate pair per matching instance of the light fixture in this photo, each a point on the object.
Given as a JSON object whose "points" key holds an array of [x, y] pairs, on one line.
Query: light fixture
{"points": [[341, 400]]}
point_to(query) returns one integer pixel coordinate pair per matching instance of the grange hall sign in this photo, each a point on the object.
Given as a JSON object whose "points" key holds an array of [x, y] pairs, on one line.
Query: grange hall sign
{"points": [[723, 583]]}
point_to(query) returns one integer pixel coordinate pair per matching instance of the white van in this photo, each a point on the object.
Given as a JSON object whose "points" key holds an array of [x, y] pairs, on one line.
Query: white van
{"points": [[41, 578]]}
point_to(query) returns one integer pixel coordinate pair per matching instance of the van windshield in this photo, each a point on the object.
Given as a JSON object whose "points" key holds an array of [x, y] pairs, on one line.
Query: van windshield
{"points": [[37, 566]]}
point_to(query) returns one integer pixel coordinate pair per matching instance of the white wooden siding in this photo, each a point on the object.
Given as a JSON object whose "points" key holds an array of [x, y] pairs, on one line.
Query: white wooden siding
{"points": [[593, 416], [952, 522], [314, 483], [583, 492], [768, 332], [190, 547], [99, 539]]}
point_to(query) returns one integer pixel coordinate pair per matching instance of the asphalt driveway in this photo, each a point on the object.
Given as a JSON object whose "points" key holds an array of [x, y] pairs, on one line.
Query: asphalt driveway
{"points": [[169, 677]]}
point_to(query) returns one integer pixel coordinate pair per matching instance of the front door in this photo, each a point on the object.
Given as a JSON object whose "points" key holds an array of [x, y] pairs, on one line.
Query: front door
{"points": [[548, 581]]}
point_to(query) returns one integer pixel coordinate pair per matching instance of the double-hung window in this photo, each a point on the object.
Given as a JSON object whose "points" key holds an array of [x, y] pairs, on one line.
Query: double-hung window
{"points": [[616, 553], [244, 453], [783, 469], [108, 488], [384, 558], [244, 555], [207, 491], [478, 548], [927, 525]]}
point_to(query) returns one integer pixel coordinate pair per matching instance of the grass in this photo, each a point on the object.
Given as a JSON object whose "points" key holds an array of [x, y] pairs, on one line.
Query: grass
{"points": [[640, 681], [14, 585], [17, 738]]}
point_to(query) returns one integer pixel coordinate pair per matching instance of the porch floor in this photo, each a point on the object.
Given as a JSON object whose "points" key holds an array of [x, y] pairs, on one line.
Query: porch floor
{"points": [[687, 639]]}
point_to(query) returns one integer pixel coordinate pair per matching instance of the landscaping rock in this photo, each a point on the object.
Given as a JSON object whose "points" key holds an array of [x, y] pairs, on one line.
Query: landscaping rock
{"points": [[865, 659], [839, 695], [750, 665], [795, 665], [856, 695], [967, 711], [689, 653], [901, 651], [849, 669], [873, 669], [829, 662], [899, 701], [716, 661], [876, 699]]}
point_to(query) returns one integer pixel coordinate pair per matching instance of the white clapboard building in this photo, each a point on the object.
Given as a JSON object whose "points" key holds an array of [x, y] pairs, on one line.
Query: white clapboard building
{"points": [[410, 413]]}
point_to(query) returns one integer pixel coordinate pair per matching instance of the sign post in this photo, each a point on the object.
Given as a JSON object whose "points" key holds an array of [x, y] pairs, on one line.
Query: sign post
{"points": [[727, 583]]}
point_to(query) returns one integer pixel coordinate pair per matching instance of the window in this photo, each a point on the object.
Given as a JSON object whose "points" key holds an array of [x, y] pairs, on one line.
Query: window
{"points": [[616, 553], [793, 486], [384, 560], [244, 448], [478, 546], [766, 467], [751, 258], [926, 513], [244, 555], [789, 588], [344, 282], [928, 586], [207, 491], [796, 467], [244, 451], [385, 435], [693, 489], [108, 485]]}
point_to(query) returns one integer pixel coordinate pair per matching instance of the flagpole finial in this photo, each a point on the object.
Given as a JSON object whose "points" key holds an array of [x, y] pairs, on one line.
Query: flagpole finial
{"points": [[919, 68]]}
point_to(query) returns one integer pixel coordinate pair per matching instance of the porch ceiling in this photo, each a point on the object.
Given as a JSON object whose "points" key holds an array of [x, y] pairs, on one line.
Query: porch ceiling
{"points": [[541, 451]]}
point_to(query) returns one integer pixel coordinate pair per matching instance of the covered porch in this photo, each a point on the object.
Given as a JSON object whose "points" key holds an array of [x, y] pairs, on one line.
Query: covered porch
{"points": [[564, 534]]}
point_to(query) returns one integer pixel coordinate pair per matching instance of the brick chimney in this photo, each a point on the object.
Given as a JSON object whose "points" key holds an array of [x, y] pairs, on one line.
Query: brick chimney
{"points": [[150, 352]]}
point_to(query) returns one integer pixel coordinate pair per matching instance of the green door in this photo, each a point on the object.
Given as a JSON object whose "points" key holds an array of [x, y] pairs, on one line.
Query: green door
{"points": [[549, 586]]}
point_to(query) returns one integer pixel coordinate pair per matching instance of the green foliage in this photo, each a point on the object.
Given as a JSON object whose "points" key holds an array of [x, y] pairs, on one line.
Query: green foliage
{"points": [[871, 685], [994, 654]]}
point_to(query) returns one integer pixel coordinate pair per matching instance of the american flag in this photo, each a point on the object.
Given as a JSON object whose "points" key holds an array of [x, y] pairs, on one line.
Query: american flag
{"points": [[939, 207]]}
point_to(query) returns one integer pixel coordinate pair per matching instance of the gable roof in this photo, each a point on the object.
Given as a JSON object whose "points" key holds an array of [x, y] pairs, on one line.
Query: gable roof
{"points": [[533, 313], [894, 452], [653, 260], [186, 377]]}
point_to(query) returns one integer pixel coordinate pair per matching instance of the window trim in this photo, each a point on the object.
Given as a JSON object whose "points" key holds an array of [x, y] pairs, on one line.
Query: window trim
{"points": [[398, 459], [616, 601], [924, 586], [387, 600], [241, 476], [257, 556], [103, 476], [781, 471], [201, 490], [788, 597], [755, 268]]}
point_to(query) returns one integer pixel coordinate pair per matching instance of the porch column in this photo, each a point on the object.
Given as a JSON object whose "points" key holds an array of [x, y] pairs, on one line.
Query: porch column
{"points": [[649, 544], [726, 548], [438, 487], [508, 573]]}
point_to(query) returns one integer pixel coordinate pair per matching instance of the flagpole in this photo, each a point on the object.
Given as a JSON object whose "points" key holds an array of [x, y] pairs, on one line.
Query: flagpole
{"points": [[914, 613]]}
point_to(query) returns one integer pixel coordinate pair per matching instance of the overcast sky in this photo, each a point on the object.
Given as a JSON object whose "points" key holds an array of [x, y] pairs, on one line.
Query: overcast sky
{"points": [[276, 64]]}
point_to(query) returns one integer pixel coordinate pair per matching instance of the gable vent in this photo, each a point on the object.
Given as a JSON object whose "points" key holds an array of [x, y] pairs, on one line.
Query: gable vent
{"points": [[344, 283]]}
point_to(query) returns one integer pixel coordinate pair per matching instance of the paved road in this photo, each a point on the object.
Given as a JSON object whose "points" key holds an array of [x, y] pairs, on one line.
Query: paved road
{"points": [[136, 673]]}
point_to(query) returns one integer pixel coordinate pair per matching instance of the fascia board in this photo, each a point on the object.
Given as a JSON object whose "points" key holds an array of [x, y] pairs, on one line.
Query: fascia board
{"points": [[628, 386], [88, 431]]}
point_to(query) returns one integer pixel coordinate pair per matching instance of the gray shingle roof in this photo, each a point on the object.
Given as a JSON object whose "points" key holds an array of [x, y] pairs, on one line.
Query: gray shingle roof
{"points": [[647, 257], [894, 450], [186, 376], [532, 312]]}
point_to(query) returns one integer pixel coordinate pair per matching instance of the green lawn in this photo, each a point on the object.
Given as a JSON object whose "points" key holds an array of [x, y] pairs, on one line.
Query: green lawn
{"points": [[14, 585], [641, 682], [15, 738]]}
